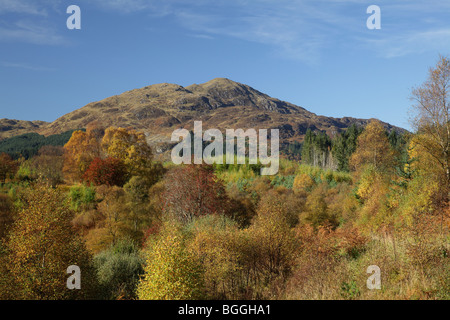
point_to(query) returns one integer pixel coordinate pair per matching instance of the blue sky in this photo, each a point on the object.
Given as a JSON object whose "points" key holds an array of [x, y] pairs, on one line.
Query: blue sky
{"points": [[318, 54]]}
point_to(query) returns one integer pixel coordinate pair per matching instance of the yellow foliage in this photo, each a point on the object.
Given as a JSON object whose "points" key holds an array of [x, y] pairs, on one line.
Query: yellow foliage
{"points": [[171, 271], [131, 147], [373, 148], [42, 245], [422, 149], [79, 151], [303, 182]]}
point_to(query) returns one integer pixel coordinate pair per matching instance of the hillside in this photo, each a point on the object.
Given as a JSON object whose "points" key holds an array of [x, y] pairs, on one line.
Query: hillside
{"points": [[10, 128], [220, 103]]}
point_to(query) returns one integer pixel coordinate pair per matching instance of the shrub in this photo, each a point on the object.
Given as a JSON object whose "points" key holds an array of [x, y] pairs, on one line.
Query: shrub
{"points": [[119, 269], [81, 197]]}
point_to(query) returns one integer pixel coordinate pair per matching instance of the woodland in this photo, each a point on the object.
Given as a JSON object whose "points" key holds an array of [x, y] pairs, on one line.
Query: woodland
{"points": [[140, 228]]}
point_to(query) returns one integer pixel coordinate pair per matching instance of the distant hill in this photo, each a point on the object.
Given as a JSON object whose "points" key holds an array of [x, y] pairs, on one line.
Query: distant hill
{"points": [[11, 128], [220, 103]]}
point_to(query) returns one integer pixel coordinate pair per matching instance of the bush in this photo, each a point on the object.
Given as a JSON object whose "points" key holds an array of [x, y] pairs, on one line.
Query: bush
{"points": [[119, 269], [81, 197]]}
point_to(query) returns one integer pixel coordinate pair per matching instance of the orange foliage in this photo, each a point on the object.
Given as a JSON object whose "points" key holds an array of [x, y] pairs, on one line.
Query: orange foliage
{"points": [[79, 151], [373, 148]]}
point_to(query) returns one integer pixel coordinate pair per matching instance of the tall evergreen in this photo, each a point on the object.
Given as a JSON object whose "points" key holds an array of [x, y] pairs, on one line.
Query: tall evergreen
{"points": [[344, 145], [316, 150]]}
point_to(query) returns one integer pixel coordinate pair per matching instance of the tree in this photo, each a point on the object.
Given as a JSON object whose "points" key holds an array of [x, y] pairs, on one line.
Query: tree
{"points": [[303, 182], [8, 167], [215, 244], [432, 120], [317, 213], [316, 150], [344, 145], [42, 244], [48, 164], [79, 151], [113, 210], [194, 190], [272, 244], [172, 272], [131, 147], [6, 209], [373, 148], [137, 200], [109, 171]]}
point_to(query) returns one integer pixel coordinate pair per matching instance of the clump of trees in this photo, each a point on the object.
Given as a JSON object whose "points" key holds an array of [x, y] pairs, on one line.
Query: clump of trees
{"points": [[316, 150], [28, 145]]}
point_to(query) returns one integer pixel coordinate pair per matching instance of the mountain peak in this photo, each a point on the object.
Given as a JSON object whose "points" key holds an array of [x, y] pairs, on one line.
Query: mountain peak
{"points": [[220, 103], [221, 82]]}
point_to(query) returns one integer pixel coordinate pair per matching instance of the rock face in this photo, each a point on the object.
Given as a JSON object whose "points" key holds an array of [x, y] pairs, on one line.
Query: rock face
{"points": [[220, 103]]}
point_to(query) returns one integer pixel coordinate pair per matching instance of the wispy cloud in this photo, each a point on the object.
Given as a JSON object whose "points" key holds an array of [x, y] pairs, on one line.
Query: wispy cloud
{"points": [[31, 32], [292, 29], [413, 42], [202, 36], [127, 6], [23, 7], [24, 66], [29, 21], [296, 29], [304, 29]]}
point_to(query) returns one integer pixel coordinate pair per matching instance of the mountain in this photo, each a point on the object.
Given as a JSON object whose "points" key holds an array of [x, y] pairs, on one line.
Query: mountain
{"points": [[220, 103]]}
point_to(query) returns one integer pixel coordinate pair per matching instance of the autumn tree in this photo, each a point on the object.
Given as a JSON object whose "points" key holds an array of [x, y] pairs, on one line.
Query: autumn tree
{"points": [[109, 171], [131, 147], [272, 245], [172, 272], [303, 182], [6, 210], [137, 200], [112, 223], [431, 120], [42, 245], [193, 191], [373, 148], [79, 151], [8, 167], [316, 210], [48, 164], [215, 243]]}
